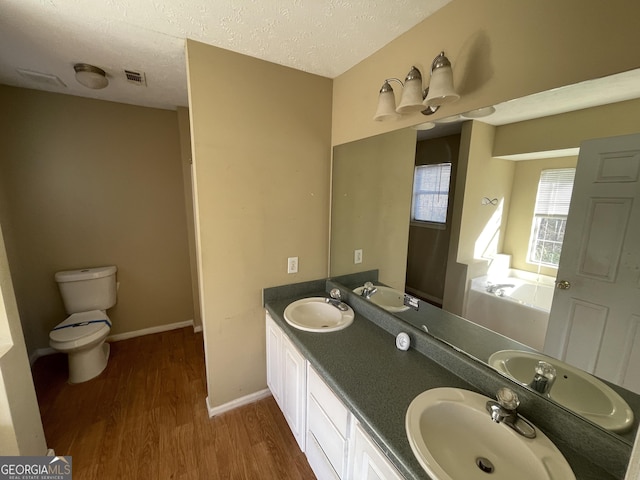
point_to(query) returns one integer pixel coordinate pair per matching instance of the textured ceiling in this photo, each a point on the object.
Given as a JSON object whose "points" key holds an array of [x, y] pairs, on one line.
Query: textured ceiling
{"points": [[324, 37]]}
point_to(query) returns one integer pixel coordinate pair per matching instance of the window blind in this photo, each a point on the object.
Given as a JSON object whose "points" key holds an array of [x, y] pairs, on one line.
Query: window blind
{"points": [[554, 191], [431, 192]]}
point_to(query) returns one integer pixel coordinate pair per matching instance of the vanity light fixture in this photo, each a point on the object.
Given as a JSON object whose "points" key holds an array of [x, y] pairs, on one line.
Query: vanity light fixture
{"points": [[90, 76], [439, 92]]}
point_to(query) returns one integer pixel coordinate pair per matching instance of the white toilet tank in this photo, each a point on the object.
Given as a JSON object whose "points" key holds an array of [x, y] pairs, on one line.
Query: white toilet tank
{"points": [[87, 289]]}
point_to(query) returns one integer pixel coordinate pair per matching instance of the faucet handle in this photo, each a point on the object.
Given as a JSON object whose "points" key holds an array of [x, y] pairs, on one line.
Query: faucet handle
{"points": [[543, 378], [335, 293], [507, 398], [545, 369], [368, 285]]}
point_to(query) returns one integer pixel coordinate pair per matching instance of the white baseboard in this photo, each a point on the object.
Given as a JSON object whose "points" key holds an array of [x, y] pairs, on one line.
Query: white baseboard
{"points": [[238, 402], [149, 331], [51, 453], [41, 352]]}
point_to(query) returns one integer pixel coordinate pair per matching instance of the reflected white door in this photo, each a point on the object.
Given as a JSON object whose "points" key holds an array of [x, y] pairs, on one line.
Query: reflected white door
{"points": [[594, 324]]}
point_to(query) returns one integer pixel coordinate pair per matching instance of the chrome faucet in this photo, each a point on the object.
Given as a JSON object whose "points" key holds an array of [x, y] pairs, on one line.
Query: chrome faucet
{"points": [[543, 378], [498, 288], [336, 300], [504, 411], [368, 290]]}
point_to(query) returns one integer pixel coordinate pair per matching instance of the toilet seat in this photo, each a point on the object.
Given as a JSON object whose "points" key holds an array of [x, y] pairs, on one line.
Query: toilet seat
{"points": [[81, 328]]}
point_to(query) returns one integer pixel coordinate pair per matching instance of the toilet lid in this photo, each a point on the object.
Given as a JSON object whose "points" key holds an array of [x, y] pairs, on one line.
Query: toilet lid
{"points": [[80, 325]]}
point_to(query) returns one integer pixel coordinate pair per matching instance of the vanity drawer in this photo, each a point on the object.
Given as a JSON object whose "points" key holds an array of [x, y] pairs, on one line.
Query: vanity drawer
{"points": [[330, 403], [329, 439], [318, 460]]}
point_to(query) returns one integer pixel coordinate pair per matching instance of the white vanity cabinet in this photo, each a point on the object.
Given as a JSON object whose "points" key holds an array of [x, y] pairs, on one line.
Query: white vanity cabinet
{"points": [[287, 379], [366, 461], [274, 359], [328, 424], [335, 445]]}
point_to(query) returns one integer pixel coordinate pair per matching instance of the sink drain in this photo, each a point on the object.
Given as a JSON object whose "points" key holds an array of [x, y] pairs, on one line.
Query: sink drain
{"points": [[485, 465]]}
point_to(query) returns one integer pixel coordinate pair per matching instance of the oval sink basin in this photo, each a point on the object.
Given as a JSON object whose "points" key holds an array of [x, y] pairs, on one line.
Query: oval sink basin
{"points": [[386, 297], [315, 315], [573, 388], [453, 437]]}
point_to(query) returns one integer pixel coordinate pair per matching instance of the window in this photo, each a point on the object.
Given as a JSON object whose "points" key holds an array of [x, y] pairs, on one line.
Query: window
{"points": [[550, 216], [431, 193]]}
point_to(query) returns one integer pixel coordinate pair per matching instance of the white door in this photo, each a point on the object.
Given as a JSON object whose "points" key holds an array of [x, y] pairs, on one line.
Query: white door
{"points": [[594, 323]]}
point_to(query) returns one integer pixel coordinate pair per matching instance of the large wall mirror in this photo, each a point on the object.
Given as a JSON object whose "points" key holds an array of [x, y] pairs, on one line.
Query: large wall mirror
{"points": [[492, 256]]}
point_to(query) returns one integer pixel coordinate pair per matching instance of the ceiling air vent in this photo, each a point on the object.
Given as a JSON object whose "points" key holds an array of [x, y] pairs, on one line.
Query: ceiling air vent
{"points": [[136, 78]]}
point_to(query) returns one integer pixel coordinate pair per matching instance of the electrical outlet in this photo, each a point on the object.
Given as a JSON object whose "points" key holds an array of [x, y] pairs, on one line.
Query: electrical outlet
{"points": [[357, 256], [292, 265]]}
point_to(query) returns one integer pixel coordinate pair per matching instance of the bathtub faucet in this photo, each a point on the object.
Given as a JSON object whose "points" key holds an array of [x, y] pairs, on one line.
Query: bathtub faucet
{"points": [[498, 288]]}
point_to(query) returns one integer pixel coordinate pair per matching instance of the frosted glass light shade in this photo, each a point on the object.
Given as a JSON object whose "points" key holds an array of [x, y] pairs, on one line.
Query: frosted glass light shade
{"points": [[386, 104], [412, 98], [441, 89], [424, 126], [90, 76], [480, 112]]}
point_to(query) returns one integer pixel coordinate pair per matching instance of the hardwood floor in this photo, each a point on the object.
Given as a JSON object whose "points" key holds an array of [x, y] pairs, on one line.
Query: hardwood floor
{"points": [[145, 417]]}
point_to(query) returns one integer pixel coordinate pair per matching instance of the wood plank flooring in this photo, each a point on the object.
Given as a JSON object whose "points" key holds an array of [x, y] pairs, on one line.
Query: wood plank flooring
{"points": [[145, 417]]}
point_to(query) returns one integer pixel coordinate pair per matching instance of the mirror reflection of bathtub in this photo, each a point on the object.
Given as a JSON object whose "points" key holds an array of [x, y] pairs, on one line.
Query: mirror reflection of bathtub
{"points": [[516, 305]]}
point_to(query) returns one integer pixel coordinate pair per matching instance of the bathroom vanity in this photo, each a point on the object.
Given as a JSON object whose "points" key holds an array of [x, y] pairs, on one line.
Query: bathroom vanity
{"points": [[345, 393]]}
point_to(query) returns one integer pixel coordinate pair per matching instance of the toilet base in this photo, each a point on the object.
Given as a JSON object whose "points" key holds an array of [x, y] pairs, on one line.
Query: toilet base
{"points": [[87, 364]]}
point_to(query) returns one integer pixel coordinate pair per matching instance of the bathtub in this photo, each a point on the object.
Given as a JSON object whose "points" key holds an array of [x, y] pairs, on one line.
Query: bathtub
{"points": [[520, 312]]}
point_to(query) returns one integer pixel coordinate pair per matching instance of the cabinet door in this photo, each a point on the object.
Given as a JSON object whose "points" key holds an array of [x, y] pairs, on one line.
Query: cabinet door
{"points": [[294, 389], [368, 462], [274, 359]]}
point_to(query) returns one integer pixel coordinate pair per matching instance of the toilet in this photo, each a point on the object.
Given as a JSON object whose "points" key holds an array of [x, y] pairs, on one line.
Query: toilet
{"points": [[87, 294]]}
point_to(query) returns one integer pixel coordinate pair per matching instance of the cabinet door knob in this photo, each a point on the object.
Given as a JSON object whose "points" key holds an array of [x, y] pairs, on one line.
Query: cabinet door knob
{"points": [[563, 285]]}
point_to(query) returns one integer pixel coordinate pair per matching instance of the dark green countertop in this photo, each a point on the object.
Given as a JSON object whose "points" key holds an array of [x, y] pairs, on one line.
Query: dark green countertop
{"points": [[374, 379], [377, 382]]}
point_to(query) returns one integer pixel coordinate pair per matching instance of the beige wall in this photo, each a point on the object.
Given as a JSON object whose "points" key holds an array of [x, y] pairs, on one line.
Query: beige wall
{"points": [[567, 130], [91, 183], [262, 145], [371, 202], [523, 198], [477, 229], [21, 430], [499, 50], [482, 226]]}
